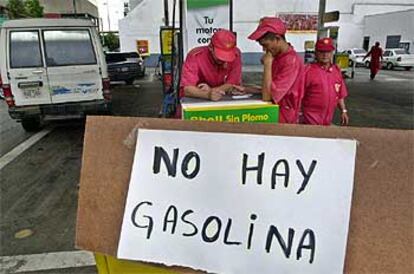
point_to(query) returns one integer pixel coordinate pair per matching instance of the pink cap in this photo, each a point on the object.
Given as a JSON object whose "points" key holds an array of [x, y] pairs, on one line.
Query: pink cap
{"points": [[224, 44], [325, 44], [268, 24]]}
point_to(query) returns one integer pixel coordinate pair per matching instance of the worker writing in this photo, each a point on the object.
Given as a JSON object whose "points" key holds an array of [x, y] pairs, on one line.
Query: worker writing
{"points": [[209, 72], [325, 88], [283, 79]]}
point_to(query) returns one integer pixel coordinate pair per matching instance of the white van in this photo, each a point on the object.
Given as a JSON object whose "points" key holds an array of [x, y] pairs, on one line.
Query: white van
{"points": [[52, 69]]}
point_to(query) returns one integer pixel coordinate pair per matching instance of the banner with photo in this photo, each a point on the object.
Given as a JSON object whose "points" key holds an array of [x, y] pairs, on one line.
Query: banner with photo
{"points": [[299, 22]]}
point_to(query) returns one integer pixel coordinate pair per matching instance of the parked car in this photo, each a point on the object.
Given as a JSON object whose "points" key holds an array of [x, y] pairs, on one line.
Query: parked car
{"points": [[125, 66], [53, 69], [356, 55], [398, 58], [1, 90], [309, 56]]}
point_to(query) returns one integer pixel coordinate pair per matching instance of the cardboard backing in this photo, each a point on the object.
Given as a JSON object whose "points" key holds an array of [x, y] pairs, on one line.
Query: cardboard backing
{"points": [[381, 230]]}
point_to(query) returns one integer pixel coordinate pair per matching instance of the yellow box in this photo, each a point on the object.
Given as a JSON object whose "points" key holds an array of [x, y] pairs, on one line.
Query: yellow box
{"points": [[110, 265]]}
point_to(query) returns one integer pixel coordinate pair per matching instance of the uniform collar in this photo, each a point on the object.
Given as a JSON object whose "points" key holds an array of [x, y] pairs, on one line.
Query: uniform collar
{"points": [[289, 51], [327, 69]]}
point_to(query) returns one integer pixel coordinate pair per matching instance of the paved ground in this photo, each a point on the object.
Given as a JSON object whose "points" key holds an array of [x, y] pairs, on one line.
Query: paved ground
{"points": [[11, 133], [39, 187]]}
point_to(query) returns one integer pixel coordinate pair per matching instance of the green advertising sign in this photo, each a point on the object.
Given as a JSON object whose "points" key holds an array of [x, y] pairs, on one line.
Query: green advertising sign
{"points": [[200, 4], [241, 114]]}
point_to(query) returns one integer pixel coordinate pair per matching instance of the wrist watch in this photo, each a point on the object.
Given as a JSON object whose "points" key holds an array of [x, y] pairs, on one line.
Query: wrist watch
{"points": [[344, 110]]}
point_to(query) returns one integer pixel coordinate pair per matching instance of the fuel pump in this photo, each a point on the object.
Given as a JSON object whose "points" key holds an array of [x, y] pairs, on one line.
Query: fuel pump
{"points": [[198, 20]]}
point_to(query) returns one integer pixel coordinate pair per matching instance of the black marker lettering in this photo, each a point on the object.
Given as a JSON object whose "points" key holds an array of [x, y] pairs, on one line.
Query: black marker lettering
{"points": [[174, 215], [149, 226], [306, 175], [227, 232], [204, 235], [311, 245], [273, 231], [159, 154], [186, 161], [195, 229], [285, 173], [253, 217], [258, 168]]}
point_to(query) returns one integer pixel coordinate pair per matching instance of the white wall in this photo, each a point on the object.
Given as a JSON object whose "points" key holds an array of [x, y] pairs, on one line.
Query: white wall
{"points": [[352, 16], [246, 15], [110, 12], [396, 23], [144, 21]]}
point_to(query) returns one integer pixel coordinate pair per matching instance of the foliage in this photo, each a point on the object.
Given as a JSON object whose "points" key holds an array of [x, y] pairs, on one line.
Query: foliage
{"points": [[33, 8], [24, 9], [111, 41], [16, 9]]}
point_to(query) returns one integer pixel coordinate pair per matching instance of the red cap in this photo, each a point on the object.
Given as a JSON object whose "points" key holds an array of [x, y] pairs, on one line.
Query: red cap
{"points": [[325, 44], [268, 24], [224, 44]]}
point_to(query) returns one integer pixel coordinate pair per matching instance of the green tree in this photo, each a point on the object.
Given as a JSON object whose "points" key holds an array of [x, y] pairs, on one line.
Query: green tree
{"points": [[16, 9], [111, 41], [33, 8]]}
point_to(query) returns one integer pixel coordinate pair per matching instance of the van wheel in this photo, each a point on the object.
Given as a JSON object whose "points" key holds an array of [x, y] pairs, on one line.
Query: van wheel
{"points": [[408, 68], [31, 124], [390, 66]]}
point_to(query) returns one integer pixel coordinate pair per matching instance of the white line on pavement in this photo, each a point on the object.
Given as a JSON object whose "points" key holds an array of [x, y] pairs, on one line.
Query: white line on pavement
{"points": [[15, 152], [46, 261], [396, 80]]}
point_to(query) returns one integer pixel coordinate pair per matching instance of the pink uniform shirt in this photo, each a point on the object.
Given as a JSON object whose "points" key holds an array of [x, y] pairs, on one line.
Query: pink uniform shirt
{"points": [[323, 89], [288, 73], [199, 67]]}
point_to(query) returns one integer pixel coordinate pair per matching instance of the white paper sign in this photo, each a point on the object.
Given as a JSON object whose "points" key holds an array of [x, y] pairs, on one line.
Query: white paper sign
{"points": [[203, 18], [237, 203]]}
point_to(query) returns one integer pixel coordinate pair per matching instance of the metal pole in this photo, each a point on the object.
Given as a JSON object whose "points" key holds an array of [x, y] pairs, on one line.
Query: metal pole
{"points": [[231, 15], [166, 13], [321, 28], [109, 18], [74, 7]]}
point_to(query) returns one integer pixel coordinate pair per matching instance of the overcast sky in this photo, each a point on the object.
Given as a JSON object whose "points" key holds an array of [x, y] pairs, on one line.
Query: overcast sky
{"points": [[115, 9]]}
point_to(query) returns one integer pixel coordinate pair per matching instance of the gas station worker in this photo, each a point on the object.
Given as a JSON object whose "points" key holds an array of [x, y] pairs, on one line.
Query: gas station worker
{"points": [[283, 79], [325, 88], [211, 71]]}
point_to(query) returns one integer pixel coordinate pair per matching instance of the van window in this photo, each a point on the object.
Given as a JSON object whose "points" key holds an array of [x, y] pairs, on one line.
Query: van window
{"points": [[68, 47], [25, 49]]}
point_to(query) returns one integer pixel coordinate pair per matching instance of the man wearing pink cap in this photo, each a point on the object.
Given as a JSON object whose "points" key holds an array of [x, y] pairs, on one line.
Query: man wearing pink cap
{"points": [[283, 77], [211, 71], [325, 88]]}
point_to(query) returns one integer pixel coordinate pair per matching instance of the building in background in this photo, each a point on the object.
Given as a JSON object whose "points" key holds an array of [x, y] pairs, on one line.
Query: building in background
{"points": [[110, 12], [146, 16], [65, 8], [62, 9], [70, 8], [396, 31], [133, 3]]}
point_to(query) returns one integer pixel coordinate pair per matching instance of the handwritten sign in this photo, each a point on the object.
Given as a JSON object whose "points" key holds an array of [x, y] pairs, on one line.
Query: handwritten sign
{"points": [[237, 203]]}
